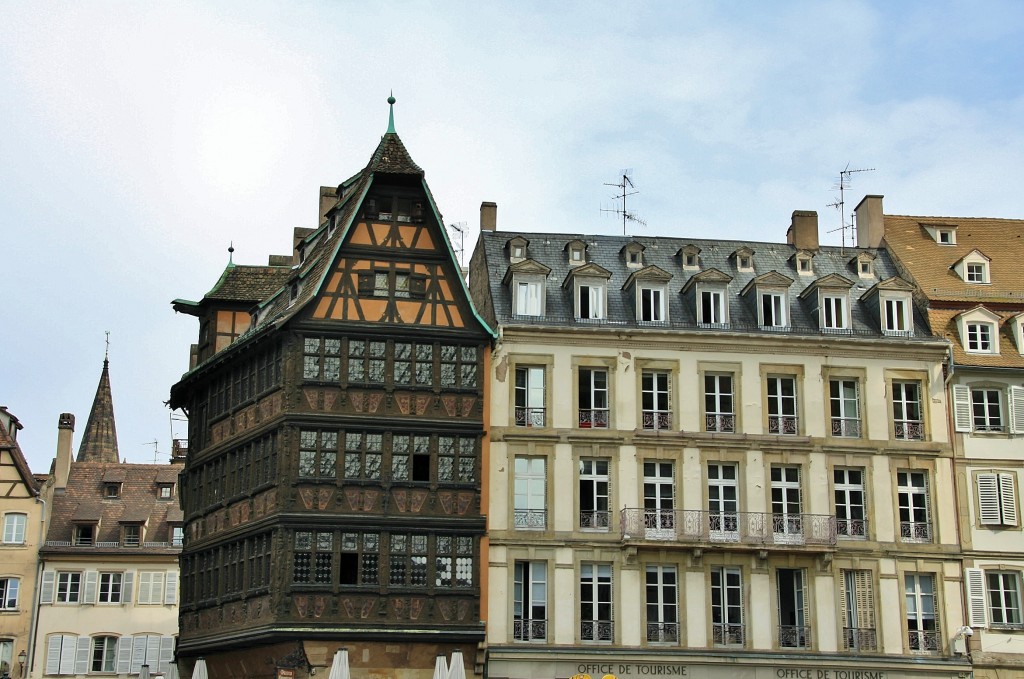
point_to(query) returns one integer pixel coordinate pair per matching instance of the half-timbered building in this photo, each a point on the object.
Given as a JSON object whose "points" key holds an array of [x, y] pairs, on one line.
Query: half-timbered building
{"points": [[335, 405]]}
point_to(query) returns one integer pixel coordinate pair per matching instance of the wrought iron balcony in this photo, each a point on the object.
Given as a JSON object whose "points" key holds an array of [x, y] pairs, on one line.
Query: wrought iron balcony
{"points": [[657, 419], [915, 531], [595, 520], [663, 632], [723, 422], [846, 427], [529, 629], [794, 636], [908, 430], [530, 417], [785, 425], [593, 418], [860, 639], [531, 519], [691, 526], [596, 630], [727, 634], [926, 641], [856, 529]]}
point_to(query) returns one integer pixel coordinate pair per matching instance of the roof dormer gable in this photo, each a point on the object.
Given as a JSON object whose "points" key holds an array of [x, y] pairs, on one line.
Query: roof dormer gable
{"points": [[979, 330], [833, 282], [633, 254], [576, 252], [648, 274], [708, 277], [864, 264], [943, 234], [689, 256], [744, 258], [974, 267], [517, 249], [594, 271], [893, 284], [895, 306], [771, 280], [1017, 330], [529, 267], [803, 262]]}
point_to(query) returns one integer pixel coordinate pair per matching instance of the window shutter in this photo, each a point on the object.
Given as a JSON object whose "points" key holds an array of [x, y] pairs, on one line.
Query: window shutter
{"points": [[962, 407], [1008, 499], [166, 655], [1016, 400], [82, 656], [988, 500], [46, 593], [138, 654], [127, 587], [89, 595], [171, 590], [743, 607], [145, 586], [152, 652], [53, 654], [124, 655], [974, 580], [68, 652], [865, 600]]}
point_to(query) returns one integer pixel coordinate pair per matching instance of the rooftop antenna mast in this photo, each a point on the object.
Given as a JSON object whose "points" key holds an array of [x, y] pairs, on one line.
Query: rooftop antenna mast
{"points": [[845, 178], [460, 251], [626, 188], [156, 449]]}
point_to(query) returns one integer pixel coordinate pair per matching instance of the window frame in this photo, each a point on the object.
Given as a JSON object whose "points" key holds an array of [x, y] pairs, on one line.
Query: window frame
{"points": [[779, 422], [841, 423], [530, 492], [104, 655], [907, 428], [914, 506], [107, 590], [526, 412], [596, 595], [850, 496], [10, 593], [897, 313], [979, 336], [661, 611], [727, 616], [996, 499], [594, 494], [921, 638], [528, 298], [594, 291], [656, 386], [1005, 607], [830, 319], [68, 584], [719, 405], [589, 391], [14, 526], [529, 597], [779, 308]]}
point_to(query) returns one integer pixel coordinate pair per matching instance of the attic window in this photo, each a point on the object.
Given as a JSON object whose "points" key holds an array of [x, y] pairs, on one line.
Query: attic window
{"points": [[691, 260], [302, 254], [85, 534], [977, 272], [576, 254], [945, 237], [293, 292], [804, 264], [518, 251], [131, 535], [112, 491], [165, 491], [744, 262]]}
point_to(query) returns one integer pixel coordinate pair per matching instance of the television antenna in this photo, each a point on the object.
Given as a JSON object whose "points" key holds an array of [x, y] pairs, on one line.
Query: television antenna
{"points": [[626, 188], [844, 183], [460, 252], [156, 449]]}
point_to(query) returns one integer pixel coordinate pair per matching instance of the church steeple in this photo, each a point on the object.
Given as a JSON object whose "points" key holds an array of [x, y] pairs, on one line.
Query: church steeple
{"points": [[99, 440]]}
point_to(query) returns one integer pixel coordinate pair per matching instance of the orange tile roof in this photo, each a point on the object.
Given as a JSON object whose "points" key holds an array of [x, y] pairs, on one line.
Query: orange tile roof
{"points": [[943, 323]]}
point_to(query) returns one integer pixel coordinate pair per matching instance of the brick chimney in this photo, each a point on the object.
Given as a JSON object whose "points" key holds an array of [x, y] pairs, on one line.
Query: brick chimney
{"points": [[65, 432], [488, 216], [803, 230], [870, 222]]}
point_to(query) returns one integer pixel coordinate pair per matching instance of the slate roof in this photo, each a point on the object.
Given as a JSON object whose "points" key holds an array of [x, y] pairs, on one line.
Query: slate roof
{"points": [[605, 251], [243, 283], [99, 439], [84, 501], [9, 443]]}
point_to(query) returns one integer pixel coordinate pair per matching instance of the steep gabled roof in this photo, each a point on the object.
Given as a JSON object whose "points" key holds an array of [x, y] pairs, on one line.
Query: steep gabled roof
{"points": [[9, 443], [99, 440]]}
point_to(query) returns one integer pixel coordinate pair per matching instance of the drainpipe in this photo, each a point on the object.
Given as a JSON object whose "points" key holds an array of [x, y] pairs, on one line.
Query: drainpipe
{"points": [[38, 591]]}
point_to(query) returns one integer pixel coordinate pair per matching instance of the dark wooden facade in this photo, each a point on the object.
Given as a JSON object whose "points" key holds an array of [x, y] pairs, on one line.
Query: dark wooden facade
{"points": [[332, 487]]}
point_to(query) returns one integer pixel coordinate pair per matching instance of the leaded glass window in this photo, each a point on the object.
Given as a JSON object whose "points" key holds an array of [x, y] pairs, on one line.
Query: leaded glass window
{"points": [[318, 453], [363, 455], [400, 445]]}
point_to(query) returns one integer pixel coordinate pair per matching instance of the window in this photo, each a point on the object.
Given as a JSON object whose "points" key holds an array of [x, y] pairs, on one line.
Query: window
{"points": [[690, 260], [457, 457], [659, 501], [787, 522], [61, 654], [976, 272], [804, 264], [131, 535], [593, 395], [152, 587], [457, 552], [945, 236], [393, 284], [68, 587], [530, 601], [112, 491], [458, 366], [1004, 606], [152, 650], [833, 312], [986, 410], [723, 502], [654, 395], [318, 453], [104, 654], [6, 656], [914, 504], [712, 308], [782, 418], [727, 607], [858, 611], [844, 405], [979, 338], [591, 301], [851, 520], [408, 560], [922, 620], [530, 493], [596, 602], [177, 536], [997, 499], [906, 411], [718, 403], [897, 315], [366, 360], [14, 529], [529, 396], [413, 364], [321, 359], [661, 593], [9, 593], [363, 454], [312, 559], [773, 310], [652, 305], [110, 588], [594, 484], [165, 491], [529, 298], [360, 559], [791, 589], [83, 535]]}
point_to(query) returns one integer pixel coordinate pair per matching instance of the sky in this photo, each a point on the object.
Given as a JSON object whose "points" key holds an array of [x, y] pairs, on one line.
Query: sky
{"points": [[139, 140]]}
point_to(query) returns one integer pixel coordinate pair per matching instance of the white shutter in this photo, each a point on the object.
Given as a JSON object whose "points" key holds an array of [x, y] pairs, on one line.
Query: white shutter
{"points": [[138, 653], [124, 655], [68, 651], [166, 655], [152, 652], [974, 581], [127, 587], [46, 593], [1008, 499], [962, 407], [988, 500], [145, 586], [171, 590], [1016, 401], [82, 656], [53, 653], [89, 596], [156, 591]]}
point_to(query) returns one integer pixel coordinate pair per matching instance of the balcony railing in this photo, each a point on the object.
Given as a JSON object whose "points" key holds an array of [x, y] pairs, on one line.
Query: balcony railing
{"points": [[723, 422], [531, 519], [908, 430], [785, 425], [915, 531], [596, 630], [727, 634], [110, 544], [846, 427], [859, 639], [926, 641], [794, 636], [856, 529], [691, 526], [657, 419], [529, 417], [529, 629], [595, 520], [663, 632], [593, 418]]}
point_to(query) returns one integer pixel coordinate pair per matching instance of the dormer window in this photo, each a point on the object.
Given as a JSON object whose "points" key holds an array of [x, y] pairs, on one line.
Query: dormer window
{"points": [[84, 534], [293, 293], [771, 294], [979, 337], [517, 249], [633, 254], [896, 315], [527, 282], [165, 491], [744, 259], [650, 290], [833, 298], [529, 296], [973, 268], [710, 297], [979, 331], [977, 273], [577, 251], [895, 307], [690, 257], [804, 263], [590, 291], [112, 491], [131, 535], [943, 234], [773, 309], [864, 265]]}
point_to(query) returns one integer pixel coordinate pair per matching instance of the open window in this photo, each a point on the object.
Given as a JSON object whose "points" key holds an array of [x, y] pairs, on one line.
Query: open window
{"points": [[589, 283], [708, 294], [830, 299], [770, 295], [650, 293], [895, 306], [527, 281]]}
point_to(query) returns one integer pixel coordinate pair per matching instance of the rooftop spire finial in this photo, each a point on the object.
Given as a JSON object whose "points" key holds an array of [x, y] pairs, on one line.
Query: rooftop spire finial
{"points": [[106, 352], [391, 113], [231, 253]]}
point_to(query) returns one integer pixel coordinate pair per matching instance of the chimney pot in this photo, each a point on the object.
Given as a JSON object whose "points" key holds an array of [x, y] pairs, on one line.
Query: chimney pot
{"points": [[66, 421], [488, 216]]}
